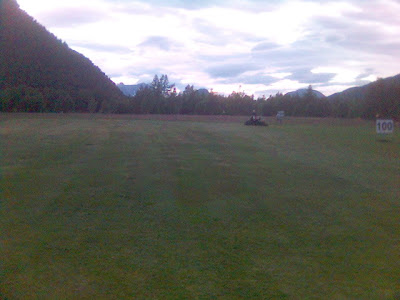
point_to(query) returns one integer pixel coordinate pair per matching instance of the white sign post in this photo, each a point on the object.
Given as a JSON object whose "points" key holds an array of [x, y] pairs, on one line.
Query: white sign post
{"points": [[384, 126], [279, 116]]}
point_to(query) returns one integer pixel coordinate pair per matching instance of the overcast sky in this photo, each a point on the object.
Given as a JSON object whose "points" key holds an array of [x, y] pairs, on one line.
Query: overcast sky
{"points": [[259, 47]]}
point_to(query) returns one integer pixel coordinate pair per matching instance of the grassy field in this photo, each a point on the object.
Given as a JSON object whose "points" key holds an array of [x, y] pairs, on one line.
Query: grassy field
{"points": [[113, 207]]}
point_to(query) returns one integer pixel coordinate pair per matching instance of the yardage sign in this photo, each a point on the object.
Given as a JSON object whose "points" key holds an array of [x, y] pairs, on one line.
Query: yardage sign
{"points": [[279, 116], [384, 126]]}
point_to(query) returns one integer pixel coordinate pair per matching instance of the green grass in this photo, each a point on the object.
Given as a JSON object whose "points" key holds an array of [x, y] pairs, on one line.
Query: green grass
{"points": [[100, 207]]}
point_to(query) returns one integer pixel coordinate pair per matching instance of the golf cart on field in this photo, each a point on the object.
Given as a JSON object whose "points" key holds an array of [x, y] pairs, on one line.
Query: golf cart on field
{"points": [[255, 121]]}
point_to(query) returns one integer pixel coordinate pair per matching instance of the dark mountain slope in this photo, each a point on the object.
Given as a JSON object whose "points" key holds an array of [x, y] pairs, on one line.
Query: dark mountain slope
{"points": [[34, 59], [360, 92], [378, 98]]}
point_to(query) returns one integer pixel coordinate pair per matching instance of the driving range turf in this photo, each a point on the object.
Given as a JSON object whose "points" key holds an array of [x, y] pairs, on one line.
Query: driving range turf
{"points": [[113, 207]]}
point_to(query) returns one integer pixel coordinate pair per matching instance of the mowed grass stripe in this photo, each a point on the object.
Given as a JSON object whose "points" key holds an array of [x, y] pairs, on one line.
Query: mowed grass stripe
{"points": [[111, 208]]}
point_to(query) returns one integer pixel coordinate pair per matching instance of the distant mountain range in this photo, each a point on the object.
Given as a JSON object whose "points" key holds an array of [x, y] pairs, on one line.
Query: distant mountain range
{"points": [[131, 90], [303, 92], [357, 93]]}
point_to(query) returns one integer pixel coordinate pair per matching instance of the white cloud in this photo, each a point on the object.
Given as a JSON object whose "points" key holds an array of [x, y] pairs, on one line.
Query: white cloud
{"points": [[223, 44]]}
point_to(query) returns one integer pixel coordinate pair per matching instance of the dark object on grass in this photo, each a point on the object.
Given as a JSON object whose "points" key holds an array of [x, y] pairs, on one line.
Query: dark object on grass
{"points": [[255, 122]]}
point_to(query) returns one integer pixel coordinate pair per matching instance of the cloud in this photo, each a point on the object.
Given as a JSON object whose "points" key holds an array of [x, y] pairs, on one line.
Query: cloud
{"points": [[73, 16], [249, 78], [367, 72], [252, 5], [214, 34], [304, 54], [306, 76], [258, 79], [230, 70], [265, 46], [386, 12], [211, 34], [353, 34], [160, 42], [193, 5], [103, 47]]}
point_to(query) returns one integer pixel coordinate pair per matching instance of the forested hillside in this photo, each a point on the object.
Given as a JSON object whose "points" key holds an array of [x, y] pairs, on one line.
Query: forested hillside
{"points": [[378, 98], [40, 73]]}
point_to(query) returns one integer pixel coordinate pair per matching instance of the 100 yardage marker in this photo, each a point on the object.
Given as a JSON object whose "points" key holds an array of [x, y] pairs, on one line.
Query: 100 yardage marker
{"points": [[384, 126]]}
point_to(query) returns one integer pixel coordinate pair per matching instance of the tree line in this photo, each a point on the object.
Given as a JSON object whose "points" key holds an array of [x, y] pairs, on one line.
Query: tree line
{"points": [[379, 98]]}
